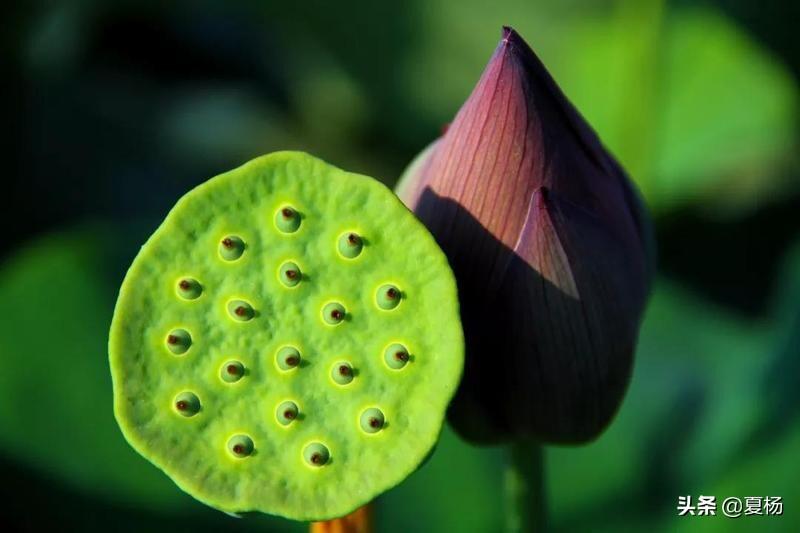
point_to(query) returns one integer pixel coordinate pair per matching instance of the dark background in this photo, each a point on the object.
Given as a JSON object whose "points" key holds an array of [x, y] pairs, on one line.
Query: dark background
{"points": [[112, 110]]}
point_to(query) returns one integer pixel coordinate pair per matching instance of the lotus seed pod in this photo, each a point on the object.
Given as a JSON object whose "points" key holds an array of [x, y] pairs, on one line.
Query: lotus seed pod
{"points": [[273, 423]]}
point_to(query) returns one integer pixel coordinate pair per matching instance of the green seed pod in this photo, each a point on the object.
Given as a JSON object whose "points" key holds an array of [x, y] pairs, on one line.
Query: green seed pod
{"points": [[237, 453]]}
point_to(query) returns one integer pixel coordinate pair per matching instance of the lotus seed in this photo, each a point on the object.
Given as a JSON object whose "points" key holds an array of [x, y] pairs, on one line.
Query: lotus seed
{"points": [[287, 358], [231, 248], [187, 404], [286, 413], [342, 373], [396, 356], [316, 454], [290, 274], [372, 420], [333, 313], [350, 245], [178, 341], [240, 310], [240, 446], [231, 372], [388, 297], [189, 289], [287, 220]]}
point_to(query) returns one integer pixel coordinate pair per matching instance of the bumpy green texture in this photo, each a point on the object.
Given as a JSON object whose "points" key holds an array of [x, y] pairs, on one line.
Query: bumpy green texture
{"points": [[267, 421]]}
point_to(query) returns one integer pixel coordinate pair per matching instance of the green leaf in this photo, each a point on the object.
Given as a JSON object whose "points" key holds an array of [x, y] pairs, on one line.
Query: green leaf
{"points": [[56, 301], [458, 489], [693, 390], [728, 112], [772, 472], [693, 107]]}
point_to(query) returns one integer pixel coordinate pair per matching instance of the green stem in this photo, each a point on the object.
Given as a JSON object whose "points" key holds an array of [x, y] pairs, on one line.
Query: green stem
{"points": [[525, 489]]}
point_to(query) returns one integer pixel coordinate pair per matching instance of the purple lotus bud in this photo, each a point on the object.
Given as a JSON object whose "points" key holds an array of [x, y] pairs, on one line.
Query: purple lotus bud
{"points": [[551, 249]]}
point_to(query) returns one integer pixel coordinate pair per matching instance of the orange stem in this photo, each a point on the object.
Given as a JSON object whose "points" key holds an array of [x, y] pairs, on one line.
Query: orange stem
{"points": [[359, 521]]}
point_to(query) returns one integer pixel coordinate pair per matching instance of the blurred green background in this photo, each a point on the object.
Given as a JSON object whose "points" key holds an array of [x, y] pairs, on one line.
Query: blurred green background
{"points": [[112, 110]]}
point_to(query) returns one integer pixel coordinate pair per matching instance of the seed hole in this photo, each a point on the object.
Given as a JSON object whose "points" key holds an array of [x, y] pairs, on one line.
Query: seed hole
{"points": [[178, 341], [316, 454], [287, 358], [372, 420], [287, 219], [231, 248], [342, 373], [189, 289], [350, 245], [187, 404], [388, 297], [289, 274], [240, 446], [240, 310], [286, 413], [396, 356], [232, 371], [333, 313]]}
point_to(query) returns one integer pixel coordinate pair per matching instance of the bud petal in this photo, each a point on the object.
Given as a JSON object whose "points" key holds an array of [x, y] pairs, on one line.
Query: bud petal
{"points": [[550, 246]]}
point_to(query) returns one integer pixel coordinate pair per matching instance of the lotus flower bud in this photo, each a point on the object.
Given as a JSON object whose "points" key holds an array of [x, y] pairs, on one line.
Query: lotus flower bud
{"points": [[551, 248]]}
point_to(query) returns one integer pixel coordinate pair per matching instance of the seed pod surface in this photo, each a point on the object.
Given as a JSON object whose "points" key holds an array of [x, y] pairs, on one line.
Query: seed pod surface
{"points": [[248, 416]]}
